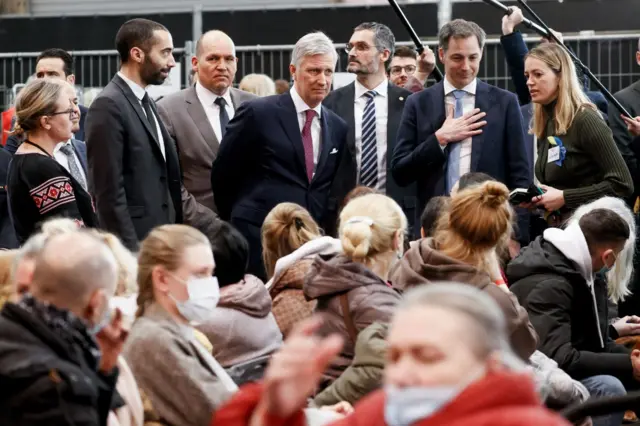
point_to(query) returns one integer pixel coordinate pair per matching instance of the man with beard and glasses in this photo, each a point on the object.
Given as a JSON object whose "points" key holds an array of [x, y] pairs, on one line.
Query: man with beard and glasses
{"points": [[197, 117], [372, 107], [134, 172]]}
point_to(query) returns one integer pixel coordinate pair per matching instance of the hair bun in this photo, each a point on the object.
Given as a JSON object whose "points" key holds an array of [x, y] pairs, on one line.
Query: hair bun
{"points": [[493, 194], [17, 130]]}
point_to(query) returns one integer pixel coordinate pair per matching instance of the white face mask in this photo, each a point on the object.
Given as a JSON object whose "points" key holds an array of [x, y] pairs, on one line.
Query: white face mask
{"points": [[406, 406], [204, 294]]}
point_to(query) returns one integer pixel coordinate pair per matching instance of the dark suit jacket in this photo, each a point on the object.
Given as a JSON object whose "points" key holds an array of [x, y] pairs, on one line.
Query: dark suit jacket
{"points": [[341, 102], [629, 97], [8, 238], [81, 152], [130, 180], [261, 164], [13, 142], [498, 151]]}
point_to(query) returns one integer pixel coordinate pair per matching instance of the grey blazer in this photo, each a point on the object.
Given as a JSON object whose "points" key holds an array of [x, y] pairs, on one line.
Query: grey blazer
{"points": [[187, 123], [178, 380]]}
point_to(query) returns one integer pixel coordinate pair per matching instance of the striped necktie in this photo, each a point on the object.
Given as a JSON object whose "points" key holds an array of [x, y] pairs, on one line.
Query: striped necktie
{"points": [[369, 162]]}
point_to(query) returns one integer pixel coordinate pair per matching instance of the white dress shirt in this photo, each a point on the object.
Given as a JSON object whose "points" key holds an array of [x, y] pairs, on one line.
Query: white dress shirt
{"points": [[139, 91], [63, 160], [381, 102], [301, 108], [468, 104], [207, 98]]}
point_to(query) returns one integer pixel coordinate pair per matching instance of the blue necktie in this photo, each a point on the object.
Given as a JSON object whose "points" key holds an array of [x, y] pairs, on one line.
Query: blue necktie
{"points": [[369, 162], [453, 163]]}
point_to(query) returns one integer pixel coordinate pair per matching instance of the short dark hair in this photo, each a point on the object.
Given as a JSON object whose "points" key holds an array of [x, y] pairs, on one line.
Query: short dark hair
{"points": [[472, 178], [405, 52], [459, 28], [432, 213], [55, 52], [136, 33], [231, 254], [603, 227], [382, 35]]}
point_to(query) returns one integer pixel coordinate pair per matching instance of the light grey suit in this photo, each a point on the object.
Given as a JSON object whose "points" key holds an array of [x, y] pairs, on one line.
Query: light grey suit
{"points": [[187, 123]]}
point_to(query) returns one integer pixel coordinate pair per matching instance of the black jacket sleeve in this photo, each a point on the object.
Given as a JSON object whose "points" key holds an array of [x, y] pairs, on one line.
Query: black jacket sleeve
{"points": [[549, 308], [412, 158], [627, 145], [236, 160], [105, 145], [515, 50]]}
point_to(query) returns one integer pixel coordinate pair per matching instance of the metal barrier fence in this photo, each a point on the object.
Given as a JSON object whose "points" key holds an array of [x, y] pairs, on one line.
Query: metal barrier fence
{"points": [[611, 58]]}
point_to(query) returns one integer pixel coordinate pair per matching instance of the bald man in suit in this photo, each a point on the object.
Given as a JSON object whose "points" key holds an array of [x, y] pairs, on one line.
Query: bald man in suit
{"points": [[195, 118]]}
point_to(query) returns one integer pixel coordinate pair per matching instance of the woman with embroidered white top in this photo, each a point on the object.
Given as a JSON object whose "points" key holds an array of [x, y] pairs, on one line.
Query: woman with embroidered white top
{"points": [[182, 380]]}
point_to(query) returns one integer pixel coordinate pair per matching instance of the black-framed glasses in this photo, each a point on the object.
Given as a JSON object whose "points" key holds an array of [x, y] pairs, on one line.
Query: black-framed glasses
{"points": [[409, 69], [71, 111]]}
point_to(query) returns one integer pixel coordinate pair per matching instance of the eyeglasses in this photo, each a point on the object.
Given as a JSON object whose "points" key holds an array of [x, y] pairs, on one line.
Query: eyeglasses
{"points": [[360, 47], [409, 69], [71, 111]]}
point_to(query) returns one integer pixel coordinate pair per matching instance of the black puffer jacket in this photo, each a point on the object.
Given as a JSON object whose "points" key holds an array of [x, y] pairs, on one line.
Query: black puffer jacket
{"points": [[45, 380], [565, 314]]}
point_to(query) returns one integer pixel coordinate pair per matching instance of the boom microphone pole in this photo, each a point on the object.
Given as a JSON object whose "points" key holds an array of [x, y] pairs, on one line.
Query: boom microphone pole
{"points": [[577, 61], [537, 28], [437, 74]]}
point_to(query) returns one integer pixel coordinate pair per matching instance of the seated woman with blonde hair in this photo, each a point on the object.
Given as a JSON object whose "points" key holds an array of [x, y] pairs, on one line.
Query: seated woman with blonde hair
{"points": [[290, 241], [463, 249], [351, 289], [183, 381], [258, 84]]}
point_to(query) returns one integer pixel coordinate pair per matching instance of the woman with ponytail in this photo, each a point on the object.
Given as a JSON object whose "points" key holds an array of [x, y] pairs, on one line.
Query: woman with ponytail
{"points": [[182, 380], [351, 289], [463, 249], [290, 241]]}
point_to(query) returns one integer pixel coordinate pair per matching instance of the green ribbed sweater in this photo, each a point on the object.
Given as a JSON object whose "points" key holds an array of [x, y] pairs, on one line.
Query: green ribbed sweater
{"points": [[593, 166]]}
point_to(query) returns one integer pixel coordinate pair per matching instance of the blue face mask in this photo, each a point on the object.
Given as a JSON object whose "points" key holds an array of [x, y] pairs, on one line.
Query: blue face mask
{"points": [[104, 321], [606, 269], [406, 406]]}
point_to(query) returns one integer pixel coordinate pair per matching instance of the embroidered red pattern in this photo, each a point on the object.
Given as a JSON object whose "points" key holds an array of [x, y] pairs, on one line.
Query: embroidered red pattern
{"points": [[52, 194]]}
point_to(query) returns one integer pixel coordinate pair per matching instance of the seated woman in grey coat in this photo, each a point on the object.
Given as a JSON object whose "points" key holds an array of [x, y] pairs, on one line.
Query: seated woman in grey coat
{"points": [[182, 380], [242, 327]]}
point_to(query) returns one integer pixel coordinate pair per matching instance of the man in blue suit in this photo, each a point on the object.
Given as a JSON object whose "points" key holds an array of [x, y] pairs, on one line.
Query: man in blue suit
{"points": [[282, 148], [461, 125]]}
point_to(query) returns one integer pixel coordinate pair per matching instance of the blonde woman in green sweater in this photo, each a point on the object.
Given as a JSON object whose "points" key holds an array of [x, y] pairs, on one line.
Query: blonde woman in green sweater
{"points": [[577, 159]]}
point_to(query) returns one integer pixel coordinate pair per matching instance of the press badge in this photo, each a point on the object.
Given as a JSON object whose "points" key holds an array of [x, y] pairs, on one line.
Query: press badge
{"points": [[557, 151]]}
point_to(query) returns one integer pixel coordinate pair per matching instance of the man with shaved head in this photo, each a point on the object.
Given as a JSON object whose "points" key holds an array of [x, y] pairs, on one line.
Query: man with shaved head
{"points": [[59, 344], [197, 117]]}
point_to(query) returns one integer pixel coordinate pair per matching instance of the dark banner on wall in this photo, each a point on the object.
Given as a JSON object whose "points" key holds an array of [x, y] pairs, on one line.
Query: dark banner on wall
{"points": [[286, 26]]}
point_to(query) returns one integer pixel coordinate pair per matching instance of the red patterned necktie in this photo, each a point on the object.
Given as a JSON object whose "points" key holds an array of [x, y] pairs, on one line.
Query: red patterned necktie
{"points": [[307, 142]]}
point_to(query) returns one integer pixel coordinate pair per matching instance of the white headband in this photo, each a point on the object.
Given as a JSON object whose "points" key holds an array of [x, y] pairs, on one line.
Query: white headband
{"points": [[360, 219]]}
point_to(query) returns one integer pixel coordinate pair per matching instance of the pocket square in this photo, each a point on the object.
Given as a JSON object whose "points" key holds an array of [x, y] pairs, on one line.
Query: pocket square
{"points": [[333, 151]]}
